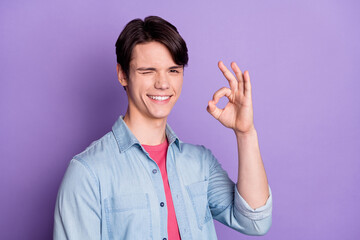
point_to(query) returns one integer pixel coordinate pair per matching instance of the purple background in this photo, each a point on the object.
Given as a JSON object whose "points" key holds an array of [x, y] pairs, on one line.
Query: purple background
{"points": [[59, 92]]}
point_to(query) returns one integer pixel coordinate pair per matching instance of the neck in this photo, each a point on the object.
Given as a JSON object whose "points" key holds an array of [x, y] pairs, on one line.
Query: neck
{"points": [[147, 131]]}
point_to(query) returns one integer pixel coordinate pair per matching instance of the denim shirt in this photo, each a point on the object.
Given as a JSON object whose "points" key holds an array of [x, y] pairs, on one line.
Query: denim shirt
{"points": [[114, 190]]}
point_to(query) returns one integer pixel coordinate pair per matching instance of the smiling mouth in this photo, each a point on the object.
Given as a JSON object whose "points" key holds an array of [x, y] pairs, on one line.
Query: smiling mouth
{"points": [[159, 98]]}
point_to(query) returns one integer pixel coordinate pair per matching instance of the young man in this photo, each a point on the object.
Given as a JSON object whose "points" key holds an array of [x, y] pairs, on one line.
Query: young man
{"points": [[139, 181]]}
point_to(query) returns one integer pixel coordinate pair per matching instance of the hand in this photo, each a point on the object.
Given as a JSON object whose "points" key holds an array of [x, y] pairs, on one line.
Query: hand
{"points": [[238, 112]]}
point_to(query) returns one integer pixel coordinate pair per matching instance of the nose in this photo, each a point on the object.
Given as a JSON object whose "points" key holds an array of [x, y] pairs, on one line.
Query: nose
{"points": [[161, 81]]}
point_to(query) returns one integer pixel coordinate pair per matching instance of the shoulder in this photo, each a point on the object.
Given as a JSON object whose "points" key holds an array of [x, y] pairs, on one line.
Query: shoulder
{"points": [[98, 151], [195, 150], [194, 163], [196, 155]]}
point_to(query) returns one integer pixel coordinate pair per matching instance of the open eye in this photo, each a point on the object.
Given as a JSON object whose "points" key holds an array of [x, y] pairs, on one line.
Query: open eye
{"points": [[174, 71]]}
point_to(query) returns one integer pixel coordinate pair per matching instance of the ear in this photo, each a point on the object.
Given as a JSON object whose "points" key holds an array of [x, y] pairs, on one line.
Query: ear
{"points": [[121, 76]]}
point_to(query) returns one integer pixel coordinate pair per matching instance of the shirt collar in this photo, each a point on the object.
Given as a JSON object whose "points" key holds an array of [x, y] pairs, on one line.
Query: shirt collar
{"points": [[125, 138]]}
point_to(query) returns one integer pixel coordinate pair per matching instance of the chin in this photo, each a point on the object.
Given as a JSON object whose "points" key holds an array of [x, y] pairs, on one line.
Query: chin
{"points": [[159, 115]]}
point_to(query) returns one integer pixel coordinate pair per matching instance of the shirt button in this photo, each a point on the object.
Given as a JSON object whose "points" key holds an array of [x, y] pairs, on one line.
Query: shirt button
{"points": [[162, 204], [154, 171], [164, 238]]}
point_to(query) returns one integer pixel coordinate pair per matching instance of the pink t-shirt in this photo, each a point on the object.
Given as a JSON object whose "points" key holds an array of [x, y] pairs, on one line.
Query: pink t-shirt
{"points": [[158, 154]]}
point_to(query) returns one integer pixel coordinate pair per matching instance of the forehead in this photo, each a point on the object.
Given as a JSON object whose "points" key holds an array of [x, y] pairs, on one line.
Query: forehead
{"points": [[151, 54]]}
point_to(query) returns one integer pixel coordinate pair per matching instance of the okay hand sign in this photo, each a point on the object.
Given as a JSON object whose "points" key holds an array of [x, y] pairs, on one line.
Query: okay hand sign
{"points": [[238, 112]]}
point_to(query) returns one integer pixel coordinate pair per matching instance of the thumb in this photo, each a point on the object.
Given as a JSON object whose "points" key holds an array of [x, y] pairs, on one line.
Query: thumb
{"points": [[213, 109]]}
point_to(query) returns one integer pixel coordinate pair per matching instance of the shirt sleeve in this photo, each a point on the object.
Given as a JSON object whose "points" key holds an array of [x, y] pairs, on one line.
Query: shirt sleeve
{"points": [[228, 207], [77, 210]]}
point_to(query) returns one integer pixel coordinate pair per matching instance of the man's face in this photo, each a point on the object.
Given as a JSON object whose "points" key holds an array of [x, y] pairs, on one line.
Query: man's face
{"points": [[155, 81]]}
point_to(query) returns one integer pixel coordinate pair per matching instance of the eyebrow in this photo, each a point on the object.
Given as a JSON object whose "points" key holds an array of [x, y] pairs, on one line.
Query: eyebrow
{"points": [[154, 69], [176, 67]]}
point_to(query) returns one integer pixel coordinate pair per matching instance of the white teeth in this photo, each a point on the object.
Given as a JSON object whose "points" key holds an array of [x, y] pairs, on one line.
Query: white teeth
{"points": [[160, 98]]}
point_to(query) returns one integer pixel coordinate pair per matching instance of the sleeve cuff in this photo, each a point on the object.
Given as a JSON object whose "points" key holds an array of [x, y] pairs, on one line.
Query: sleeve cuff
{"points": [[242, 207]]}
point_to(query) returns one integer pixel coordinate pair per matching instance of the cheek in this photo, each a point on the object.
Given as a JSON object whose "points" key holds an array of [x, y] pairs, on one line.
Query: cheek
{"points": [[136, 86], [179, 88], [178, 84], [135, 92]]}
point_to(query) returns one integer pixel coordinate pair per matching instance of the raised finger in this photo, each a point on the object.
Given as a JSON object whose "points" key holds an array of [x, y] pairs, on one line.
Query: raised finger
{"points": [[247, 84], [228, 75], [239, 76]]}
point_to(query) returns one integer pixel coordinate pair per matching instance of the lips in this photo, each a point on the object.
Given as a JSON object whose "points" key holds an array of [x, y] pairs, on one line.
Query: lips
{"points": [[160, 98]]}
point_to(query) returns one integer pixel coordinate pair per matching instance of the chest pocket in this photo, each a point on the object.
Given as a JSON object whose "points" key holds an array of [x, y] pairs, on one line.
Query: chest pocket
{"points": [[128, 216], [198, 195]]}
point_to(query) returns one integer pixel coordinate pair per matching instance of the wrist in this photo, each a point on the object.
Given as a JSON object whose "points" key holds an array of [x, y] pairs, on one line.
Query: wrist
{"points": [[242, 134]]}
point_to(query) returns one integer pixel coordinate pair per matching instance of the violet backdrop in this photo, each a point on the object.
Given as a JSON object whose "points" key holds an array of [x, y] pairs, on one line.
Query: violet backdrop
{"points": [[59, 92]]}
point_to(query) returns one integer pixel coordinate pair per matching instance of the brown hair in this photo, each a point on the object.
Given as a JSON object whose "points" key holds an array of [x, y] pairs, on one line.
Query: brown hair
{"points": [[153, 28]]}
